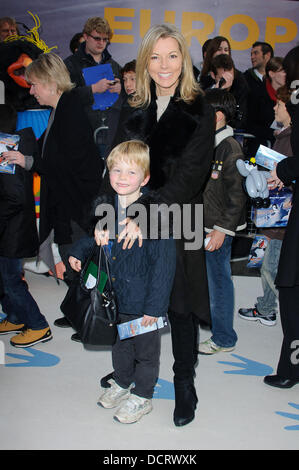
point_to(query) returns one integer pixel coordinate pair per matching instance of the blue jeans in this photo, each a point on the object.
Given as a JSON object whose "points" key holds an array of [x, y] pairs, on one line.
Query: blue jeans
{"points": [[221, 292], [268, 302], [18, 303]]}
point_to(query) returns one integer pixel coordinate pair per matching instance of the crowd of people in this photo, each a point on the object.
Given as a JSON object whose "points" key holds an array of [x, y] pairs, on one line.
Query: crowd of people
{"points": [[169, 141]]}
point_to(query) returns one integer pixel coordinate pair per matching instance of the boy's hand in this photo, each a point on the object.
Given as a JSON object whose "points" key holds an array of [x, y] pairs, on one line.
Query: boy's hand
{"points": [[101, 237], [216, 240], [148, 321], [75, 263]]}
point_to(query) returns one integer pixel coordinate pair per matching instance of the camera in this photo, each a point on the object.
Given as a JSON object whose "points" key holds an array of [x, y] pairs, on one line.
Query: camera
{"points": [[222, 81]]}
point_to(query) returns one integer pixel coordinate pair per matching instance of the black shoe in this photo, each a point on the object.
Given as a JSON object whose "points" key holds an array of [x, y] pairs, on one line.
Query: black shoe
{"points": [[185, 403], [105, 380], [76, 337], [62, 322], [280, 382]]}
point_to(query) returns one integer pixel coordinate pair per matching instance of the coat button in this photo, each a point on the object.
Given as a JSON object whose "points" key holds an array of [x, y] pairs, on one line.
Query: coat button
{"points": [[114, 258], [113, 279]]}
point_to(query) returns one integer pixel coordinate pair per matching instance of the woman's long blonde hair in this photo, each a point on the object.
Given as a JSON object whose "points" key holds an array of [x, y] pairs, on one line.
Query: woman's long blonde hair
{"points": [[188, 86]]}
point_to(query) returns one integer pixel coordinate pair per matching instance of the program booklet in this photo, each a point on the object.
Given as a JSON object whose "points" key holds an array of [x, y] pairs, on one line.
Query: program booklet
{"points": [[134, 327], [8, 142], [267, 157]]}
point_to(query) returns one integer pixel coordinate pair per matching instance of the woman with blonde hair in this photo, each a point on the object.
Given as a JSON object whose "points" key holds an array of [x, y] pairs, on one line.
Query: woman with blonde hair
{"points": [[68, 161], [188, 87], [169, 113], [49, 69]]}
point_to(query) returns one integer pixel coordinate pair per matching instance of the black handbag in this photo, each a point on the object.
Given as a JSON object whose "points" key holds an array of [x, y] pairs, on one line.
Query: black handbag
{"points": [[93, 314]]}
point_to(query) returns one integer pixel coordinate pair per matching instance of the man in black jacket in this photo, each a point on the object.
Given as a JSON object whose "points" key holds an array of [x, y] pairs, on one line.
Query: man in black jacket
{"points": [[18, 239], [261, 53], [97, 35]]}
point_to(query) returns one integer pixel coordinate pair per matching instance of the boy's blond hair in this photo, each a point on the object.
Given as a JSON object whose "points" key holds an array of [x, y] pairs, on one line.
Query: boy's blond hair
{"points": [[132, 151]]}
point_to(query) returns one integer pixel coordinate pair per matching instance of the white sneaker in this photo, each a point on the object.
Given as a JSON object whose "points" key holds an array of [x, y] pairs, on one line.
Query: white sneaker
{"points": [[209, 347], [113, 396], [133, 409]]}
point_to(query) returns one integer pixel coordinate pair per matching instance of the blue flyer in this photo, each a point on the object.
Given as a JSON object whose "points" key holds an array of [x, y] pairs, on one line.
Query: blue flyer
{"points": [[94, 74]]}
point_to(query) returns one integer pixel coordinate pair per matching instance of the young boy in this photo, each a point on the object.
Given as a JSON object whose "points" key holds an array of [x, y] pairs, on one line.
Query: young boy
{"points": [[142, 278], [224, 213], [128, 73], [18, 239]]}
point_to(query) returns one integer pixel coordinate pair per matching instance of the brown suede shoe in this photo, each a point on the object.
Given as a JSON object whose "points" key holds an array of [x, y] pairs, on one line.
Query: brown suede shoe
{"points": [[30, 337]]}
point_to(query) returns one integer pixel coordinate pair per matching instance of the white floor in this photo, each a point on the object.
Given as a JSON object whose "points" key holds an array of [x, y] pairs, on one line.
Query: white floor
{"points": [[48, 393]]}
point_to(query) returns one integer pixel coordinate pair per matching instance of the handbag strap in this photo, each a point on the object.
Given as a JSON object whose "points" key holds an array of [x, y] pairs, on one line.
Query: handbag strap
{"points": [[102, 253], [86, 264]]}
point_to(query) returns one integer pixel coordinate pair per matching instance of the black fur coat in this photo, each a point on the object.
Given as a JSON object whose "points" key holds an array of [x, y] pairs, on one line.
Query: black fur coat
{"points": [[181, 150]]}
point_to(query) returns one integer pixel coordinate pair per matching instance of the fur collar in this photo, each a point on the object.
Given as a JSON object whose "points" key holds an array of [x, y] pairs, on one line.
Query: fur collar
{"points": [[222, 134], [168, 138], [143, 121]]}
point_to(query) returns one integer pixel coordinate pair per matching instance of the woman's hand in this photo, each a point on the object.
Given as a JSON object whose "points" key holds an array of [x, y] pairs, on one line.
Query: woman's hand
{"points": [[273, 181], [148, 320], [75, 263], [130, 233], [14, 157]]}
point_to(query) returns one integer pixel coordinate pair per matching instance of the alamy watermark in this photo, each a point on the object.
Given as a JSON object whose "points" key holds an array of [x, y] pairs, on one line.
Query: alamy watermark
{"points": [[295, 354], [157, 221], [295, 93]]}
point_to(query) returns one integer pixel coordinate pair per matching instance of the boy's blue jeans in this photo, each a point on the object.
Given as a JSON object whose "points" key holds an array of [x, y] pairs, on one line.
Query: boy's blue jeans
{"points": [[221, 292], [267, 303], [18, 303]]}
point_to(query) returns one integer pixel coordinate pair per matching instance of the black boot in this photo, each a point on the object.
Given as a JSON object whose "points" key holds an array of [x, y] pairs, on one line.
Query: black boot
{"points": [[185, 402], [184, 332]]}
